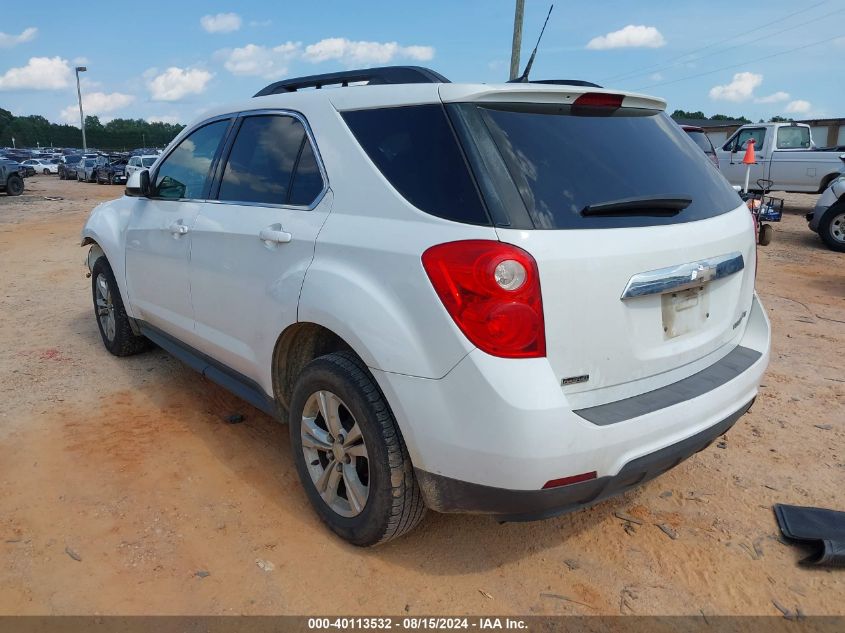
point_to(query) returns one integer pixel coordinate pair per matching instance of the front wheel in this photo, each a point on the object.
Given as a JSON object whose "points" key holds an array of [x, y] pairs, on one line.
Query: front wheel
{"points": [[112, 319], [349, 453], [14, 185], [832, 227]]}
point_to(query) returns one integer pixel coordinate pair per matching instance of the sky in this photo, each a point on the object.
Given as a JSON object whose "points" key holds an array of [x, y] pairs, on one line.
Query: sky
{"points": [[170, 61]]}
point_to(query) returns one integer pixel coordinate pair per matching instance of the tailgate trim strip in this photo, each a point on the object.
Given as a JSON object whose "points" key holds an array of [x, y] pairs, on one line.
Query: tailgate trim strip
{"points": [[683, 276], [708, 379]]}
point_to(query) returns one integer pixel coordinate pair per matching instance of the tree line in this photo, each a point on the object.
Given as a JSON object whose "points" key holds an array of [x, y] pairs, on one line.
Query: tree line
{"points": [[117, 134]]}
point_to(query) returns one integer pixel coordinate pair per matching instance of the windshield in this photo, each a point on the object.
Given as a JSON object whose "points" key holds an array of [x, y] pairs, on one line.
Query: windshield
{"points": [[89, 162], [148, 162], [562, 161], [70, 160]]}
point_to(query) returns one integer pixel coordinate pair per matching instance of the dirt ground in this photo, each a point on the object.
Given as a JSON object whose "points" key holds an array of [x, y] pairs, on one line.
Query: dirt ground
{"points": [[123, 490]]}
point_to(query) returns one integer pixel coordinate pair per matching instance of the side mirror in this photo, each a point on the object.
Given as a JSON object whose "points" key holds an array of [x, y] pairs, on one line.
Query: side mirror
{"points": [[138, 185]]}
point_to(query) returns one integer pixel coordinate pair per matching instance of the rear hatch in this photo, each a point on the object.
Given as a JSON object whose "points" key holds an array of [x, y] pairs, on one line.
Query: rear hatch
{"points": [[646, 254]]}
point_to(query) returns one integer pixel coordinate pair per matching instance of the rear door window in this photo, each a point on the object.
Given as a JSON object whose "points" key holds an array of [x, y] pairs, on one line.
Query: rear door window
{"points": [[561, 162], [271, 162]]}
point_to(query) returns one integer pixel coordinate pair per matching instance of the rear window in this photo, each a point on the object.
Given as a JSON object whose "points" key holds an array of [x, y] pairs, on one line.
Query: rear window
{"points": [[415, 148], [793, 137], [701, 140], [562, 162]]}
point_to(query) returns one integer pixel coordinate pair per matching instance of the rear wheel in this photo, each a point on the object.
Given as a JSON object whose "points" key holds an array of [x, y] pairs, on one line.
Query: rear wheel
{"points": [[46, 172], [14, 185], [112, 319], [349, 453], [832, 227]]}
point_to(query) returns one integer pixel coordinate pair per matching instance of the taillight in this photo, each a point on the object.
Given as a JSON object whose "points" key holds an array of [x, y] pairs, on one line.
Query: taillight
{"points": [[492, 292], [599, 100]]}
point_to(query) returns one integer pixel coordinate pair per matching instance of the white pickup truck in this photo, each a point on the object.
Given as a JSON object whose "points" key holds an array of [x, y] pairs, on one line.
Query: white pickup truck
{"points": [[785, 154]]}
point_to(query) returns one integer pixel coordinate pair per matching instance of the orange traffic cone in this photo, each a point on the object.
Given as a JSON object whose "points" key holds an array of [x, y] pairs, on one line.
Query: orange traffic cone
{"points": [[749, 159]]}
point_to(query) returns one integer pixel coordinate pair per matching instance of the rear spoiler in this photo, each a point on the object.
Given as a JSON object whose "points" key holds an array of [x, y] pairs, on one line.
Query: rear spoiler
{"points": [[538, 93]]}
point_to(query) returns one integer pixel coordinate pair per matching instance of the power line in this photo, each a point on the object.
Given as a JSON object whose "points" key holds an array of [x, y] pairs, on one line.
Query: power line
{"points": [[663, 66], [750, 61], [762, 37]]}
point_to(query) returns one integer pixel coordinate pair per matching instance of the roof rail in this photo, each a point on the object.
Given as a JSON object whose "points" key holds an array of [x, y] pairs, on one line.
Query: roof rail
{"points": [[373, 76]]}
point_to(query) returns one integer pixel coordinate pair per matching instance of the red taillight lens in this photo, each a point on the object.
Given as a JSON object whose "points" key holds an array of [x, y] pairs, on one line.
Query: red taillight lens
{"points": [[599, 100], [492, 291]]}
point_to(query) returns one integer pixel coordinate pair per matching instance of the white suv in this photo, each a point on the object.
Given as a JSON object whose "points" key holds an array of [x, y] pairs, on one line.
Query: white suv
{"points": [[511, 299]]}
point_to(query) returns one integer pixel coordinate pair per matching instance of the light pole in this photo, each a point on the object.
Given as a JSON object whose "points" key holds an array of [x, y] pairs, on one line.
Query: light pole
{"points": [[81, 69]]}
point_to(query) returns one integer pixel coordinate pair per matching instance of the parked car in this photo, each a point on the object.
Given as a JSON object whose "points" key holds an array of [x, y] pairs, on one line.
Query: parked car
{"points": [[11, 181], [42, 166], [86, 170], [395, 270], [112, 173], [828, 217], [785, 155], [67, 168], [701, 139], [137, 163]]}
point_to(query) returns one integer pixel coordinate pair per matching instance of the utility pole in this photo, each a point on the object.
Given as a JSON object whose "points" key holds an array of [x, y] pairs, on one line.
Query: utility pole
{"points": [[517, 38], [81, 69]]}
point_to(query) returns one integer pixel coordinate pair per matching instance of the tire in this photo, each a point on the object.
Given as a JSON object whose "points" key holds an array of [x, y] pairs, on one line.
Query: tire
{"points": [[46, 172], [392, 503], [832, 227], [61, 174], [14, 185], [766, 234], [117, 336]]}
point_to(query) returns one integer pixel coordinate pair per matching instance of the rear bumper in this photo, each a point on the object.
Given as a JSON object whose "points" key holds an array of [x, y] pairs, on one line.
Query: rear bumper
{"points": [[450, 495], [507, 427]]}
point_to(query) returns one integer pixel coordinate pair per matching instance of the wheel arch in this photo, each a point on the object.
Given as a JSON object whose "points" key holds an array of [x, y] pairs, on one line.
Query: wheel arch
{"points": [[825, 182], [296, 346]]}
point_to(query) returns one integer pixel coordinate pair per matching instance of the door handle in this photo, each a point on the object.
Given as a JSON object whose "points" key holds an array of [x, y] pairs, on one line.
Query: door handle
{"points": [[178, 229], [274, 235]]}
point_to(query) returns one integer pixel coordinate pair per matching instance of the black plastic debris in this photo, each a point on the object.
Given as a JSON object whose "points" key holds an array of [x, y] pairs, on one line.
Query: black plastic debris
{"points": [[819, 529]]}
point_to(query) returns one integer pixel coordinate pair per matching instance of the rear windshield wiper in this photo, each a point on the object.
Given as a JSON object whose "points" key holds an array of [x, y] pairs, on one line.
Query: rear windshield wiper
{"points": [[657, 206]]}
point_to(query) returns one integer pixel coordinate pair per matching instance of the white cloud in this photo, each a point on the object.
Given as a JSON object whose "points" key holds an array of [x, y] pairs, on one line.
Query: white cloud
{"points": [[163, 118], [775, 97], [27, 35], [632, 36], [656, 77], [40, 73], [97, 103], [270, 63], [352, 52], [221, 22], [799, 106], [176, 83], [741, 88], [80, 61], [260, 23]]}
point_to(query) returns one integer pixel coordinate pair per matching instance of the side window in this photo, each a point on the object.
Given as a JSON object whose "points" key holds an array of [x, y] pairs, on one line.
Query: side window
{"points": [[757, 133], [184, 172], [264, 157], [793, 137], [307, 182]]}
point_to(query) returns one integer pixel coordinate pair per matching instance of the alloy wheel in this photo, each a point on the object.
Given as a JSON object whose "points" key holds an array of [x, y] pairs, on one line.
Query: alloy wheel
{"points": [[837, 228], [105, 307], [335, 453]]}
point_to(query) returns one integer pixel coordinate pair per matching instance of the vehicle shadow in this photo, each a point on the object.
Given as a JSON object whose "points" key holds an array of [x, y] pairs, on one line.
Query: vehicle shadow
{"points": [[256, 452]]}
